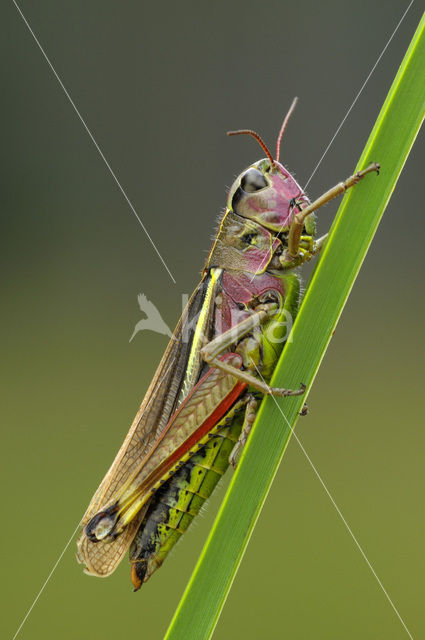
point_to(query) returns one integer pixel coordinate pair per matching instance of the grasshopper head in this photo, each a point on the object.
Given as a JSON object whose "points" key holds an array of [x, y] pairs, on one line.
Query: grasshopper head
{"points": [[262, 204], [267, 193]]}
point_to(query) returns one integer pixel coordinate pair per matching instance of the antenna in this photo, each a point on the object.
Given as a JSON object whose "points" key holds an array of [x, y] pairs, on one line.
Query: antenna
{"points": [[283, 127], [258, 138]]}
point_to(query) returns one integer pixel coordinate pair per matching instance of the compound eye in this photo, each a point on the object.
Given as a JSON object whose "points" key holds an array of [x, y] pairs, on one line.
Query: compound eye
{"points": [[253, 180]]}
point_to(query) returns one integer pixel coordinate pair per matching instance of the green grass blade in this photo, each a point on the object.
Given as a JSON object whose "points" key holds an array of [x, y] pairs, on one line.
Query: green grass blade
{"points": [[351, 234]]}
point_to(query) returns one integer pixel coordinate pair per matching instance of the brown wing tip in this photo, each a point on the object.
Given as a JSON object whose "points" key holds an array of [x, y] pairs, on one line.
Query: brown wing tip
{"points": [[93, 565]]}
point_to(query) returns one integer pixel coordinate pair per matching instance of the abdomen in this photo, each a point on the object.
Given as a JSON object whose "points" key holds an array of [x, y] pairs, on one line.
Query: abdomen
{"points": [[180, 499]]}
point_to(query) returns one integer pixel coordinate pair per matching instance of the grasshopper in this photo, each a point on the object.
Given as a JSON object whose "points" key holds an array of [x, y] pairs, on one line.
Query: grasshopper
{"points": [[201, 404]]}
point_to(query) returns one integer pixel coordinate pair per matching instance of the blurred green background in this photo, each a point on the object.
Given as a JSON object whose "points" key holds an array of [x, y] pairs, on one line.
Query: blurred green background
{"points": [[158, 86]]}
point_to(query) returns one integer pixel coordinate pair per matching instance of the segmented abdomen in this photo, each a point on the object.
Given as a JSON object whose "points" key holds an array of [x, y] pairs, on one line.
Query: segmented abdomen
{"points": [[180, 499]]}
